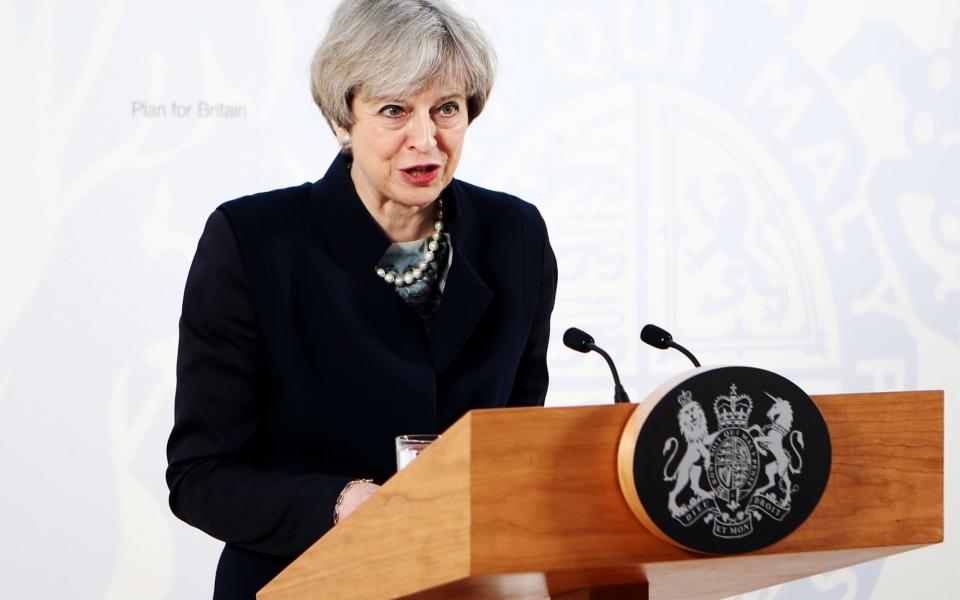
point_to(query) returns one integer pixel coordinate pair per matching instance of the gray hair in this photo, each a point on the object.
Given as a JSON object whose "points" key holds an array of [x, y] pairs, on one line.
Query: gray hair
{"points": [[396, 48]]}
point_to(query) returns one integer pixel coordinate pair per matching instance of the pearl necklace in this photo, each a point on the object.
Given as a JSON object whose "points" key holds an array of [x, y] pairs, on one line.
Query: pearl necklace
{"points": [[417, 273]]}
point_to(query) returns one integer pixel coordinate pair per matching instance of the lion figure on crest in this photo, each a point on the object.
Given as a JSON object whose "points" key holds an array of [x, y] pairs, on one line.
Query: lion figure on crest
{"points": [[693, 427]]}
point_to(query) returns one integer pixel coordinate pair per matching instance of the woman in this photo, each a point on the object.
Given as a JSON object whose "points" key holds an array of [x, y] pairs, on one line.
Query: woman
{"points": [[387, 298]]}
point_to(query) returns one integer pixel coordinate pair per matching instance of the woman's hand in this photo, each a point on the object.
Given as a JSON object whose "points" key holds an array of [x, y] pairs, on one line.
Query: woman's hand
{"points": [[356, 494]]}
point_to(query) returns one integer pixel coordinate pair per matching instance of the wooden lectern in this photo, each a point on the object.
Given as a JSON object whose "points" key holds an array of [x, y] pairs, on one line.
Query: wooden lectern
{"points": [[525, 503]]}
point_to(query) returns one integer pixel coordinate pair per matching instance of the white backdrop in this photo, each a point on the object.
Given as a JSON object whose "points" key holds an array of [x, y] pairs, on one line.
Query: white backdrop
{"points": [[777, 183]]}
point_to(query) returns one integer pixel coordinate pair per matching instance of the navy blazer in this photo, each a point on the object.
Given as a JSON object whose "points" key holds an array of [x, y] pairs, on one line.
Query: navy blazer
{"points": [[298, 366]]}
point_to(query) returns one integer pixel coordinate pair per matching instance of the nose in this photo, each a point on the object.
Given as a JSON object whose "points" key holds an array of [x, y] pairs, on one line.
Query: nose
{"points": [[422, 136]]}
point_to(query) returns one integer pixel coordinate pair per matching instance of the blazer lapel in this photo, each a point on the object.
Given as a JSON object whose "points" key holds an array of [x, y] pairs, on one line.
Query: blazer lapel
{"points": [[353, 242], [465, 296], [356, 242], [351, 235]]}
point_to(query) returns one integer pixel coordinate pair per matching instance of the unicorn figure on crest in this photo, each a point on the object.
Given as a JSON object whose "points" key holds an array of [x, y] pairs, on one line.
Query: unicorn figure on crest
{"points": [[773, 438]]}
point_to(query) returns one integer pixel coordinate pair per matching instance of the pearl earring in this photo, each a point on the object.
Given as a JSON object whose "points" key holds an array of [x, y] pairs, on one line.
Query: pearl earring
{"points": [[344, 140]]}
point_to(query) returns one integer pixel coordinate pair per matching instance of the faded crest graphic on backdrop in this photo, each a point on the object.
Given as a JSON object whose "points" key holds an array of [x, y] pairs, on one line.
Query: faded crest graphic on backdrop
{"points": [[723, 186]]}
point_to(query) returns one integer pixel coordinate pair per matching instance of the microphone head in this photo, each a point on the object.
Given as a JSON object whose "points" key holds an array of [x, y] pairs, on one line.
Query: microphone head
{"points": [[656, 337], [577, 339]]}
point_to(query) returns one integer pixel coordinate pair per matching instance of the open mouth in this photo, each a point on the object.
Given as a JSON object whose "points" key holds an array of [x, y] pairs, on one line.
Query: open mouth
{"points": [[421, 174], [421, 169]]}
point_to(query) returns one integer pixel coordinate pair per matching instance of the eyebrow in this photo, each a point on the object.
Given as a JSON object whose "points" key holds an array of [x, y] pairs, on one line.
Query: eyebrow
{"points": [[440, 100]]}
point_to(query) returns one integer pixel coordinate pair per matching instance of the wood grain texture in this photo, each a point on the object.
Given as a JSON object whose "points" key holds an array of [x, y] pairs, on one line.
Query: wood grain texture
{"points": [[630, 591], [526, 503], [729, 575], [558, 485]]}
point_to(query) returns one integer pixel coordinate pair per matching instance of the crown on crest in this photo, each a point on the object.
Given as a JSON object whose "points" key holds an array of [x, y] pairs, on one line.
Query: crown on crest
{"points": [[733, 410], [685, 397]]}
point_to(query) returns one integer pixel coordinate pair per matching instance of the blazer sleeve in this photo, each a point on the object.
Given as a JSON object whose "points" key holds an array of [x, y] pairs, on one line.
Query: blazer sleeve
{"points": [[214, 482], [532, 379]]}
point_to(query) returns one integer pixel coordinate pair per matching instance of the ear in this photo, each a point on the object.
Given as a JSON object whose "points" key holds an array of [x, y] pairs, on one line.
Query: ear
{"points": [[338, 131]]}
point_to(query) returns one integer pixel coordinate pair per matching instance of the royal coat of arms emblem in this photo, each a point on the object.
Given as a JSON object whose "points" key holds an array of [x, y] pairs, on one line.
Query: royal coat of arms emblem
{"points": [[720, 470], [724, 460]]}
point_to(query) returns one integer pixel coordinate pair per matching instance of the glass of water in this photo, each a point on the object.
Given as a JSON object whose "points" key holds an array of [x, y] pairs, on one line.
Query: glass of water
{"points": [[410, 446]]}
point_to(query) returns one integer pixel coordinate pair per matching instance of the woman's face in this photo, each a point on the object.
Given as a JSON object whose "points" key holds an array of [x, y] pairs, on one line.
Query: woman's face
{"points": [[406, 150]]}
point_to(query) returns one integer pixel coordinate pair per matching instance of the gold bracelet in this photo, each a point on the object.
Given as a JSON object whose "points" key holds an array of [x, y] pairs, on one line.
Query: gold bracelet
{"points": [[343, 492]]}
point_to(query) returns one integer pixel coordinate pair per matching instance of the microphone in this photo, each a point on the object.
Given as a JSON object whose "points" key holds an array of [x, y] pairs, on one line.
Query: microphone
{"points": [[581, 341], [660, 338]]}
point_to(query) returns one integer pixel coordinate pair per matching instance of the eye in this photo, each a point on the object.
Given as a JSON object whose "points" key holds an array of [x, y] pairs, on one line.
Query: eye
{"points": [[449, 109], [391, 110]]}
